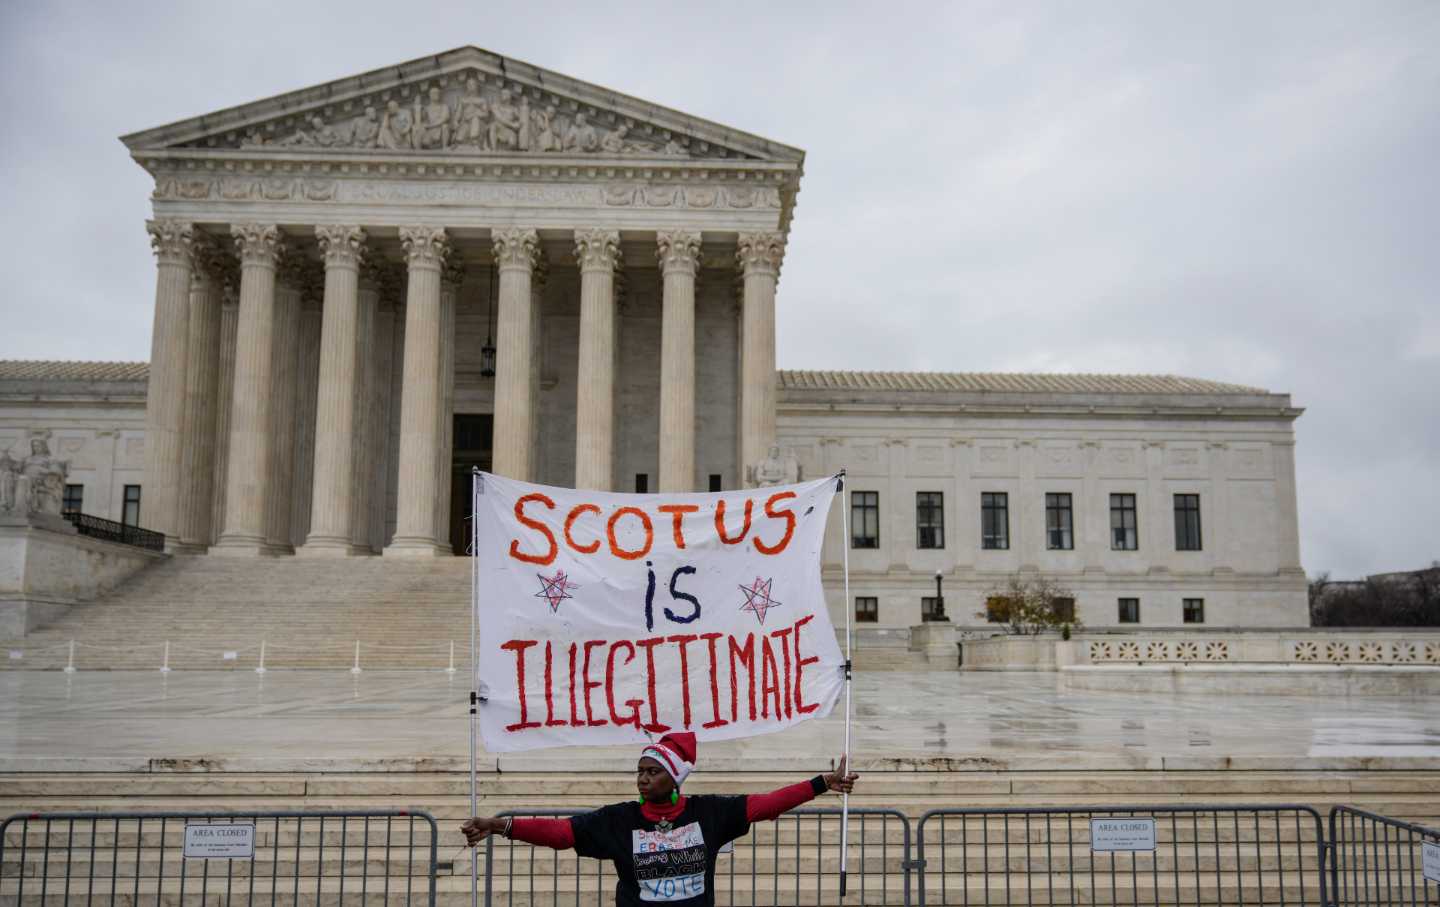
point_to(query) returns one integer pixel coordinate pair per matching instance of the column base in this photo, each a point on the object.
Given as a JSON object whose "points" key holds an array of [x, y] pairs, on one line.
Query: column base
{"points": [[330, 547], [414, 547], [242, 546], [186, 548]]}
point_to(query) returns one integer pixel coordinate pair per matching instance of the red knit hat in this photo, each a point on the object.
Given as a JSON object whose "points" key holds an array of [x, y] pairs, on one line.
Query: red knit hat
{"points": [[675, 753]]}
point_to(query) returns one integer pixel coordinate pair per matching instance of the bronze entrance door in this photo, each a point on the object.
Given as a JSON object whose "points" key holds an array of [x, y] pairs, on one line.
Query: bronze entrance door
{"points": [[473, 434]]}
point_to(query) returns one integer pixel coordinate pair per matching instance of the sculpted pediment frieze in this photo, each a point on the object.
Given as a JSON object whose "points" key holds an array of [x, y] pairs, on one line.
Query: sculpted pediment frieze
{"points": [[464, 103]]}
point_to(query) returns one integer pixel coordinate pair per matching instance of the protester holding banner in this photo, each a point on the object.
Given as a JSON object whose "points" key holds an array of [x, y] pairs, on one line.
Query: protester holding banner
{"points": [[659, 620], [664, 846]]}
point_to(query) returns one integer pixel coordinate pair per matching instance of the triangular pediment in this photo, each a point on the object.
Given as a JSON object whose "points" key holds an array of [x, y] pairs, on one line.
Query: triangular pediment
{"points": [[466, 102]]}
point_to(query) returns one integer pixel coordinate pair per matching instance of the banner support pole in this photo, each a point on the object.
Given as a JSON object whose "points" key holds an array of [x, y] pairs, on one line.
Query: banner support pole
{"points": [[475, 480], [849, 668]]}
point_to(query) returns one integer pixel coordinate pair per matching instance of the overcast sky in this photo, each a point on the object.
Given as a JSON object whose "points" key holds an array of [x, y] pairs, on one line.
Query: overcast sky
{"points": [[1237, 191]]}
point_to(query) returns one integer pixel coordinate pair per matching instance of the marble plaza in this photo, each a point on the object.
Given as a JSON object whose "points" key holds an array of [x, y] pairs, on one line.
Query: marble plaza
{"points": [[407, 721]]}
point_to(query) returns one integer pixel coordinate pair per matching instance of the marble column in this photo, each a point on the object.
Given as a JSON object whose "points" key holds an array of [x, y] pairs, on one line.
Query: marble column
{"points": [[420, 395], [759, 256], [679, 254], [229, 327], [369, 478], [450, 279], [337, 444], [165, 397], [247, 480], [290, 289], [202, 399], [517, 251], [598, 253]]}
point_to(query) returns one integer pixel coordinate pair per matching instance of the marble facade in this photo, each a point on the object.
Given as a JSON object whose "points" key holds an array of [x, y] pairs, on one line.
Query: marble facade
{"points": [[335, 265]]}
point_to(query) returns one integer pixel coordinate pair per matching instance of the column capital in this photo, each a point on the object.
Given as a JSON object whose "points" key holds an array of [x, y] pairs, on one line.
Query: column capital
{"points": [[170, 239], [209, 263], [597, 249], [343, 245], [425, 247], [258, 244], [516, 247], [760, 253], [453, 273], [678, 251], [299, 273], [372, 273]]}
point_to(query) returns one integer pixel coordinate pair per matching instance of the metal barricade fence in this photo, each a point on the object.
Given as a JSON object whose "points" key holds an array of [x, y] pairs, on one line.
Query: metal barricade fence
{"points": [[299, 857], [1133, 855], [1378, 860], [793, 860]]}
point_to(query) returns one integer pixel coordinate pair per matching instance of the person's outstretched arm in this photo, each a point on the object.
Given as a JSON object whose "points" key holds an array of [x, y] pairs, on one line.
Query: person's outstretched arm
{"points": [[555, 833], [763, 807]]}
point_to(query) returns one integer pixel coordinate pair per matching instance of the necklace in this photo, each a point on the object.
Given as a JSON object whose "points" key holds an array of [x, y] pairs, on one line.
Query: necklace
{"points": [[663, 825]]}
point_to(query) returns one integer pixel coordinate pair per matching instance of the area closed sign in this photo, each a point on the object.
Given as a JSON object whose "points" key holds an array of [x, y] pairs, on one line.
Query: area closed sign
{"points": [[220, 841], [1122, 834], [1430, 860]]}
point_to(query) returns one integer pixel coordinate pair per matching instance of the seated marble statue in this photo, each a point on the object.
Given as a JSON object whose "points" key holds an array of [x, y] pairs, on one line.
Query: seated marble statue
{"points": [[432, 122], [582, 136]]}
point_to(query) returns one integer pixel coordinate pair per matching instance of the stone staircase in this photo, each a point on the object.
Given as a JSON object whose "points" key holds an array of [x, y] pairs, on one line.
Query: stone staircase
{"points": [[764, 868], [310, 614]]}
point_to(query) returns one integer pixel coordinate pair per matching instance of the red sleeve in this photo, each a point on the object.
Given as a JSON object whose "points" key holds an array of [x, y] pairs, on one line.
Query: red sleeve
{"points": [[763, 807], [555, 833]]}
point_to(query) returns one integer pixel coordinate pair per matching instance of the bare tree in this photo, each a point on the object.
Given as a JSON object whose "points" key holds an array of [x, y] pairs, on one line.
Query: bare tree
{"points": [[1030, 606], [1388, 600]]}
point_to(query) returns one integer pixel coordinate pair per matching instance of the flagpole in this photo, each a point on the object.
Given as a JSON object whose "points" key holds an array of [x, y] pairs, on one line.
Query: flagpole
{"points": [[845, 559], [475, 481]]}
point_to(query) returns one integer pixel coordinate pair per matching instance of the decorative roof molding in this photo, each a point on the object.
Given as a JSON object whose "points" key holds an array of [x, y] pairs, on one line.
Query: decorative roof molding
{"points": [[465, 102], [1010, 383], [68, 370]]}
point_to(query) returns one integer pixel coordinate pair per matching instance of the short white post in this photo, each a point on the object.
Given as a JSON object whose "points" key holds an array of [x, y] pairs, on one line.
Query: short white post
{"points": [[260, 669], [165, 664], [70, 664], [451, 669], [356, 668]]}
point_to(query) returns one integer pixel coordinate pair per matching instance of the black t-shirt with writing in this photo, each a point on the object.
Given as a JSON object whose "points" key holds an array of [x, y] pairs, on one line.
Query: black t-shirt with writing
{"points": [[657, 862]]}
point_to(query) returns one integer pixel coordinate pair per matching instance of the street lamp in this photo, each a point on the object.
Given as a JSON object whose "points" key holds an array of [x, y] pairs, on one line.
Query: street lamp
{"points": [[939, 596]]}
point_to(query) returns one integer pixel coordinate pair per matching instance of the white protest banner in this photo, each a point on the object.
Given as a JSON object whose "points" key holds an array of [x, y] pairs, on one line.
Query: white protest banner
{"points": [[613, 618]]}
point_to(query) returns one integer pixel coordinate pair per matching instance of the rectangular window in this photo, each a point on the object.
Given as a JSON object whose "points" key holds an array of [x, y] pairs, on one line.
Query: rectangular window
{"points": [[1064, 609], [929, 519], [1059, 523], [929, 608], [642, 483], [1194, 610], [715, 481], [1129, 610], [864, 519], [867, 609], [130, 516], [74, 500], [1187, 522], [994, 520], [1124, 535]]}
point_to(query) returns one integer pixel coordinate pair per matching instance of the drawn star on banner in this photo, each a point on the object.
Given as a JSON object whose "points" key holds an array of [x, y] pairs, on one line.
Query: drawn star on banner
{"points": [[757, 598], [555, 589]]}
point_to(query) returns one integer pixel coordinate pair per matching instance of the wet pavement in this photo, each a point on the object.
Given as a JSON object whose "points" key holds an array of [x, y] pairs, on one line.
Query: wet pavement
{"points": [[404, 721]]}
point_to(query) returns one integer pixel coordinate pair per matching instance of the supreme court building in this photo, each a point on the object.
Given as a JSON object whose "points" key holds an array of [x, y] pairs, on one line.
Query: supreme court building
{"points": [[368, 287]]}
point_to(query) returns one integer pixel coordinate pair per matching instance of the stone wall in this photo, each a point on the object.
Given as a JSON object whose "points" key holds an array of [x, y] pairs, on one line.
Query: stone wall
{"points": [[45, 571], [1242, 466]]}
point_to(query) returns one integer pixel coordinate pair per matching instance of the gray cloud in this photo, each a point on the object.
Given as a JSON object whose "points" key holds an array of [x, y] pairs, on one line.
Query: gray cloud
{"points": [[1223, 190]]}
